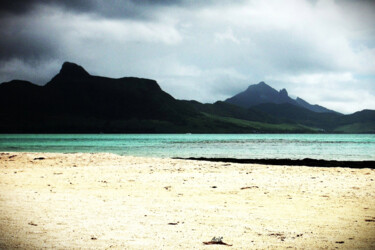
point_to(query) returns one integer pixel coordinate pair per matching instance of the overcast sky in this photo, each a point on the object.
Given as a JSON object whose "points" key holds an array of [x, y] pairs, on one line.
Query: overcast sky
{"points": [[322, 51]]}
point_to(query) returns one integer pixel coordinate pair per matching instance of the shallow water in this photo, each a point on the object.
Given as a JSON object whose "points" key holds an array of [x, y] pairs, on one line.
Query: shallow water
{"points": [[294, 146]]}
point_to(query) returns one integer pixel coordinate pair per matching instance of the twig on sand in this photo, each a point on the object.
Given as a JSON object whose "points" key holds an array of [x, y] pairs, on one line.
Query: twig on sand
{"points": [[216, 241]]}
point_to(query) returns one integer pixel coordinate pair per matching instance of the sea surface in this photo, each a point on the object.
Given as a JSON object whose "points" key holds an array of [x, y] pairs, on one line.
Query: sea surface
{"points": [[248, 146]]}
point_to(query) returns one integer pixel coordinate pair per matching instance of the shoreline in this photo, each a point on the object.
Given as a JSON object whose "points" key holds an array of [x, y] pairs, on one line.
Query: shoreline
{"points": [[107, 201]]}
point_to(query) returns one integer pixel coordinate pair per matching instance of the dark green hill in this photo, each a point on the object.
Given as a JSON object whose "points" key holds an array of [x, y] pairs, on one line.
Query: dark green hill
{"points": [[359, 122], [224, 109], [290, 113]]}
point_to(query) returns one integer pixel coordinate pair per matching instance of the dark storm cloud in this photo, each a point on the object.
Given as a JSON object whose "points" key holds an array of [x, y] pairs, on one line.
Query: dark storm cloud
{"points": [[20, 41], [204, 50], [142, 9], [107, 7], [16, 7], [25, 6]]}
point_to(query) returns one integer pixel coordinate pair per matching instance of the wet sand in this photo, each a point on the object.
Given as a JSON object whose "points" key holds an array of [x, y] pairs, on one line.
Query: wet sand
{"points": [[103, 201]]}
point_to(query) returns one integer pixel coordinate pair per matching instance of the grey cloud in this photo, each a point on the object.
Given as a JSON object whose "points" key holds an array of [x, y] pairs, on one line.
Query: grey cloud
{"points": [[38, 72]]}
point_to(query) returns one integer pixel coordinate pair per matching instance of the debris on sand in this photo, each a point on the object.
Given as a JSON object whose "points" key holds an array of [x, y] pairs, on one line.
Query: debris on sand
{"points": [[370, 220], [250, 187], [216, 241], [173, 223], [279, 236], [32, 224], [39, 158]]}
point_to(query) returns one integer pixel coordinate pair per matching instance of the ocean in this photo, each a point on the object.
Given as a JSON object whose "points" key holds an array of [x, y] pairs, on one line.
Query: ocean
{"points": [[245, 146]]}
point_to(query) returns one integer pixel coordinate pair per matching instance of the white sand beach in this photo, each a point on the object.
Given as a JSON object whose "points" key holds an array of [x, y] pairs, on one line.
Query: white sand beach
{"points": [[106, 201]]}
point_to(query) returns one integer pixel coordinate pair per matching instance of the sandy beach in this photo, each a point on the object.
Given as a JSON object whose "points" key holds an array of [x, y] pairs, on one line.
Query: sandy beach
{"points": [[104, 201]]}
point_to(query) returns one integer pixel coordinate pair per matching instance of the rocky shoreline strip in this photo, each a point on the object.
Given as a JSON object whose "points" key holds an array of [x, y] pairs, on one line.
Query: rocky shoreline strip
{"points": [[290, 162]]}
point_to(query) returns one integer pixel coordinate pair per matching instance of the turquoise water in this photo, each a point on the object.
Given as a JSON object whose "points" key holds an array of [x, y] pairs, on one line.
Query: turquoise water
{"points": [[294, 146]]}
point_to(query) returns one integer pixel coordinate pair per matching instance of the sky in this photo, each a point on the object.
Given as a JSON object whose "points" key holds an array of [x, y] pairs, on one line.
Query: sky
{"points": [[320, 50]]}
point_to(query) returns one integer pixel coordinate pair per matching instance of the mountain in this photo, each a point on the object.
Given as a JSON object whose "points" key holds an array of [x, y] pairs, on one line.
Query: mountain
{"points": [[75, 101], [263, 93], [257, 94], [108, 98]]}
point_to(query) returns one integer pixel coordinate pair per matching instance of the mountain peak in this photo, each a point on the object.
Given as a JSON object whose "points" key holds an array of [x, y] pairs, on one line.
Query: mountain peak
{"points": [[262, 93], [261, 85], [283, 93], [73, 70]]}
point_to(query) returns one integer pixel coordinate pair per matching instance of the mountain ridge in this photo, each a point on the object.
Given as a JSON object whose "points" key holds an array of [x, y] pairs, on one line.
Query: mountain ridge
{"points": [[74, 101]]}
